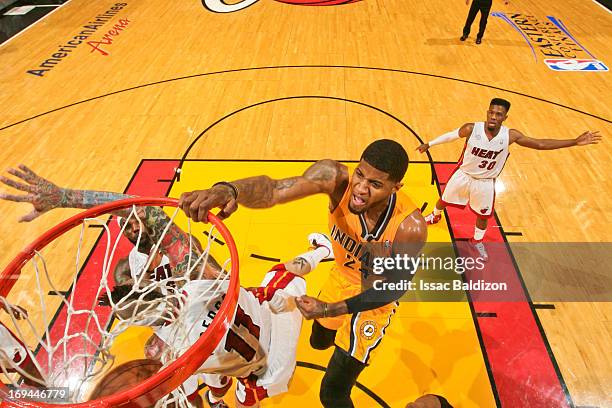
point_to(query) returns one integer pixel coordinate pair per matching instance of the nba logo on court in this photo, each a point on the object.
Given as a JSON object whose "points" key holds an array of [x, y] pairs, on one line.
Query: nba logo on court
{"points": [[575, 65]]}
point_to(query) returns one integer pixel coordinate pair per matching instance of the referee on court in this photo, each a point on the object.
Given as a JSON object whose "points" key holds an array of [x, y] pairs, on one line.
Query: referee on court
{"points": [[484, 6]]}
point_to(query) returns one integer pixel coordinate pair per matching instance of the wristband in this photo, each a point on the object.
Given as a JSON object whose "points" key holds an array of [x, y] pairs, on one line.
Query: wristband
{"points": [[230, 185]]}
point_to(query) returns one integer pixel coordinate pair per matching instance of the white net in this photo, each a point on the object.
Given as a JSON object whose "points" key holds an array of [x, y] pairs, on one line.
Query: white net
{"points": [[77, 345]]}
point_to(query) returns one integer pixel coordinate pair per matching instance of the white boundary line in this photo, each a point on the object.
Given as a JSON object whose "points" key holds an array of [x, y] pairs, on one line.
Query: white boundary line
{"points": [[602, 6], [59, 6], [29, 7]]}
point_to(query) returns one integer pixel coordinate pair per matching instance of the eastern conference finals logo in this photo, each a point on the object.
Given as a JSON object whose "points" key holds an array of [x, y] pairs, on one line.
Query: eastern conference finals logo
{"points": [[553, 40], [561, 50]]}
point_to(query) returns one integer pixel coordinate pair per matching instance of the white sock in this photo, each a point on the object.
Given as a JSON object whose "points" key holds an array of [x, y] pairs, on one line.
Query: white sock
{"points": [[436, 211], [315, 256], [479, 233]]}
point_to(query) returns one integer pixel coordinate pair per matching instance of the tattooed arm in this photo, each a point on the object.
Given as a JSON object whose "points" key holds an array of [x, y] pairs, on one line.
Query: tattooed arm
{"points": [[325, 176], [45, 196], [122, 271], [175, 244], [298, 266]]}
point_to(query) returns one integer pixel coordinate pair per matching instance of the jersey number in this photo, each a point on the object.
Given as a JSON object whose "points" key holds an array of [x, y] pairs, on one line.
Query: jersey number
{"points": [[234, 342], [483, 164], [364, 259]]}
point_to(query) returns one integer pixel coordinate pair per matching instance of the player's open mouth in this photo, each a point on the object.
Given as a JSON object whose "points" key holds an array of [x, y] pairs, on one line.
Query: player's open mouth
{"points": [[357, 202]]}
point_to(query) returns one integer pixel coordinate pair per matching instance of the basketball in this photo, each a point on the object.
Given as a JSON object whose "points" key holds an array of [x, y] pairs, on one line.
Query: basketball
{"points": [[125, 376]]}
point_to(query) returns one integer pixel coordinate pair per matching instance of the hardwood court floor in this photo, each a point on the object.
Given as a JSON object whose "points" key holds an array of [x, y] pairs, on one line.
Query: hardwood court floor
{"points": [[281, 81]]}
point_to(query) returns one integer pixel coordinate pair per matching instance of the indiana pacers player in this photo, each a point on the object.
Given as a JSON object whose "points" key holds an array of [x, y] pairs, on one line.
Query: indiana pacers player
{"points": [[366, 209]]}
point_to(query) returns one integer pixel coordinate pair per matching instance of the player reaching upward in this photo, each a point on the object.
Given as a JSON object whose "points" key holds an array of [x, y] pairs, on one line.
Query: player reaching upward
{"points": [[484, 156], [259, 347], [366, 209], [45, 196]]}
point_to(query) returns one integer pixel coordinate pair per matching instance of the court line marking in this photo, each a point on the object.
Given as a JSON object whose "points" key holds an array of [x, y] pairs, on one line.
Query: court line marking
{"points": [[307, 67], [544, 306], [59, 6], [602, 6], [362, 387], [551, 355], [177, 174], [477, 329]]}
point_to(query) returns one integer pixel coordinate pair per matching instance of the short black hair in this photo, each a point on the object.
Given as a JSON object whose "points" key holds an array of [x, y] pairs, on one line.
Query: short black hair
{"points": [[121, 293], [388, 156], [500, 102]]}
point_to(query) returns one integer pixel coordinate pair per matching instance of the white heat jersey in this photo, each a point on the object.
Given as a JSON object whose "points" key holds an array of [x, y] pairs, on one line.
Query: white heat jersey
{"points": [[484, 158], [12, 351], [138, 261], [243, 349]]}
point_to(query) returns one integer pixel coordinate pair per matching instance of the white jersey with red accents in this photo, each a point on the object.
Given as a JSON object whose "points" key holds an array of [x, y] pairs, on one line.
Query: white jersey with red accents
{"points": [[12, 351], [243, 349], [484, 158]]}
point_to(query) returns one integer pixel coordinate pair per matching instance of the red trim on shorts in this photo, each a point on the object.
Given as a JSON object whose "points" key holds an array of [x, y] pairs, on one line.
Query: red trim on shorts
{"points": [[492, 206], [481, 215], [253, 392], [460, 206], [281, 280]]}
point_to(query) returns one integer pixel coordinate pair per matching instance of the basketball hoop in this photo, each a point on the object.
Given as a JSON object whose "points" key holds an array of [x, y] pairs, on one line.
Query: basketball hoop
{"points": [[173, 372]]}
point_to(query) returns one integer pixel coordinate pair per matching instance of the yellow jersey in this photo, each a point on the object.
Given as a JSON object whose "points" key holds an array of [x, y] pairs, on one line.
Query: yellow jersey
{"points": [[350, 235]]}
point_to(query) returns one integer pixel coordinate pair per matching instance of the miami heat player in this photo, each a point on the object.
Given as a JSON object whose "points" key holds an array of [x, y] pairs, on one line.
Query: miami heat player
{"points": [[483, 158]]}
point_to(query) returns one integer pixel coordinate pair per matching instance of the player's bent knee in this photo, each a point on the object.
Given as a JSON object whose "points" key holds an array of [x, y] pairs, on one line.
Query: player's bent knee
{"points": [[320, 344], [321, 338]]}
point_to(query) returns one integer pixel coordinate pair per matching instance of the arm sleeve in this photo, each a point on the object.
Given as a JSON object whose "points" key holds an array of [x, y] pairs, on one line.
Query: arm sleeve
{"points": [[373, 299], [445, 138]]}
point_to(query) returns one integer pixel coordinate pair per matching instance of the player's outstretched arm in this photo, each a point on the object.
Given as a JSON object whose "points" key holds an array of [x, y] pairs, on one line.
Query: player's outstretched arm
{"points": [[409, 240], [463, 132], [324, 176], [45, 196], [551, 144]]}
